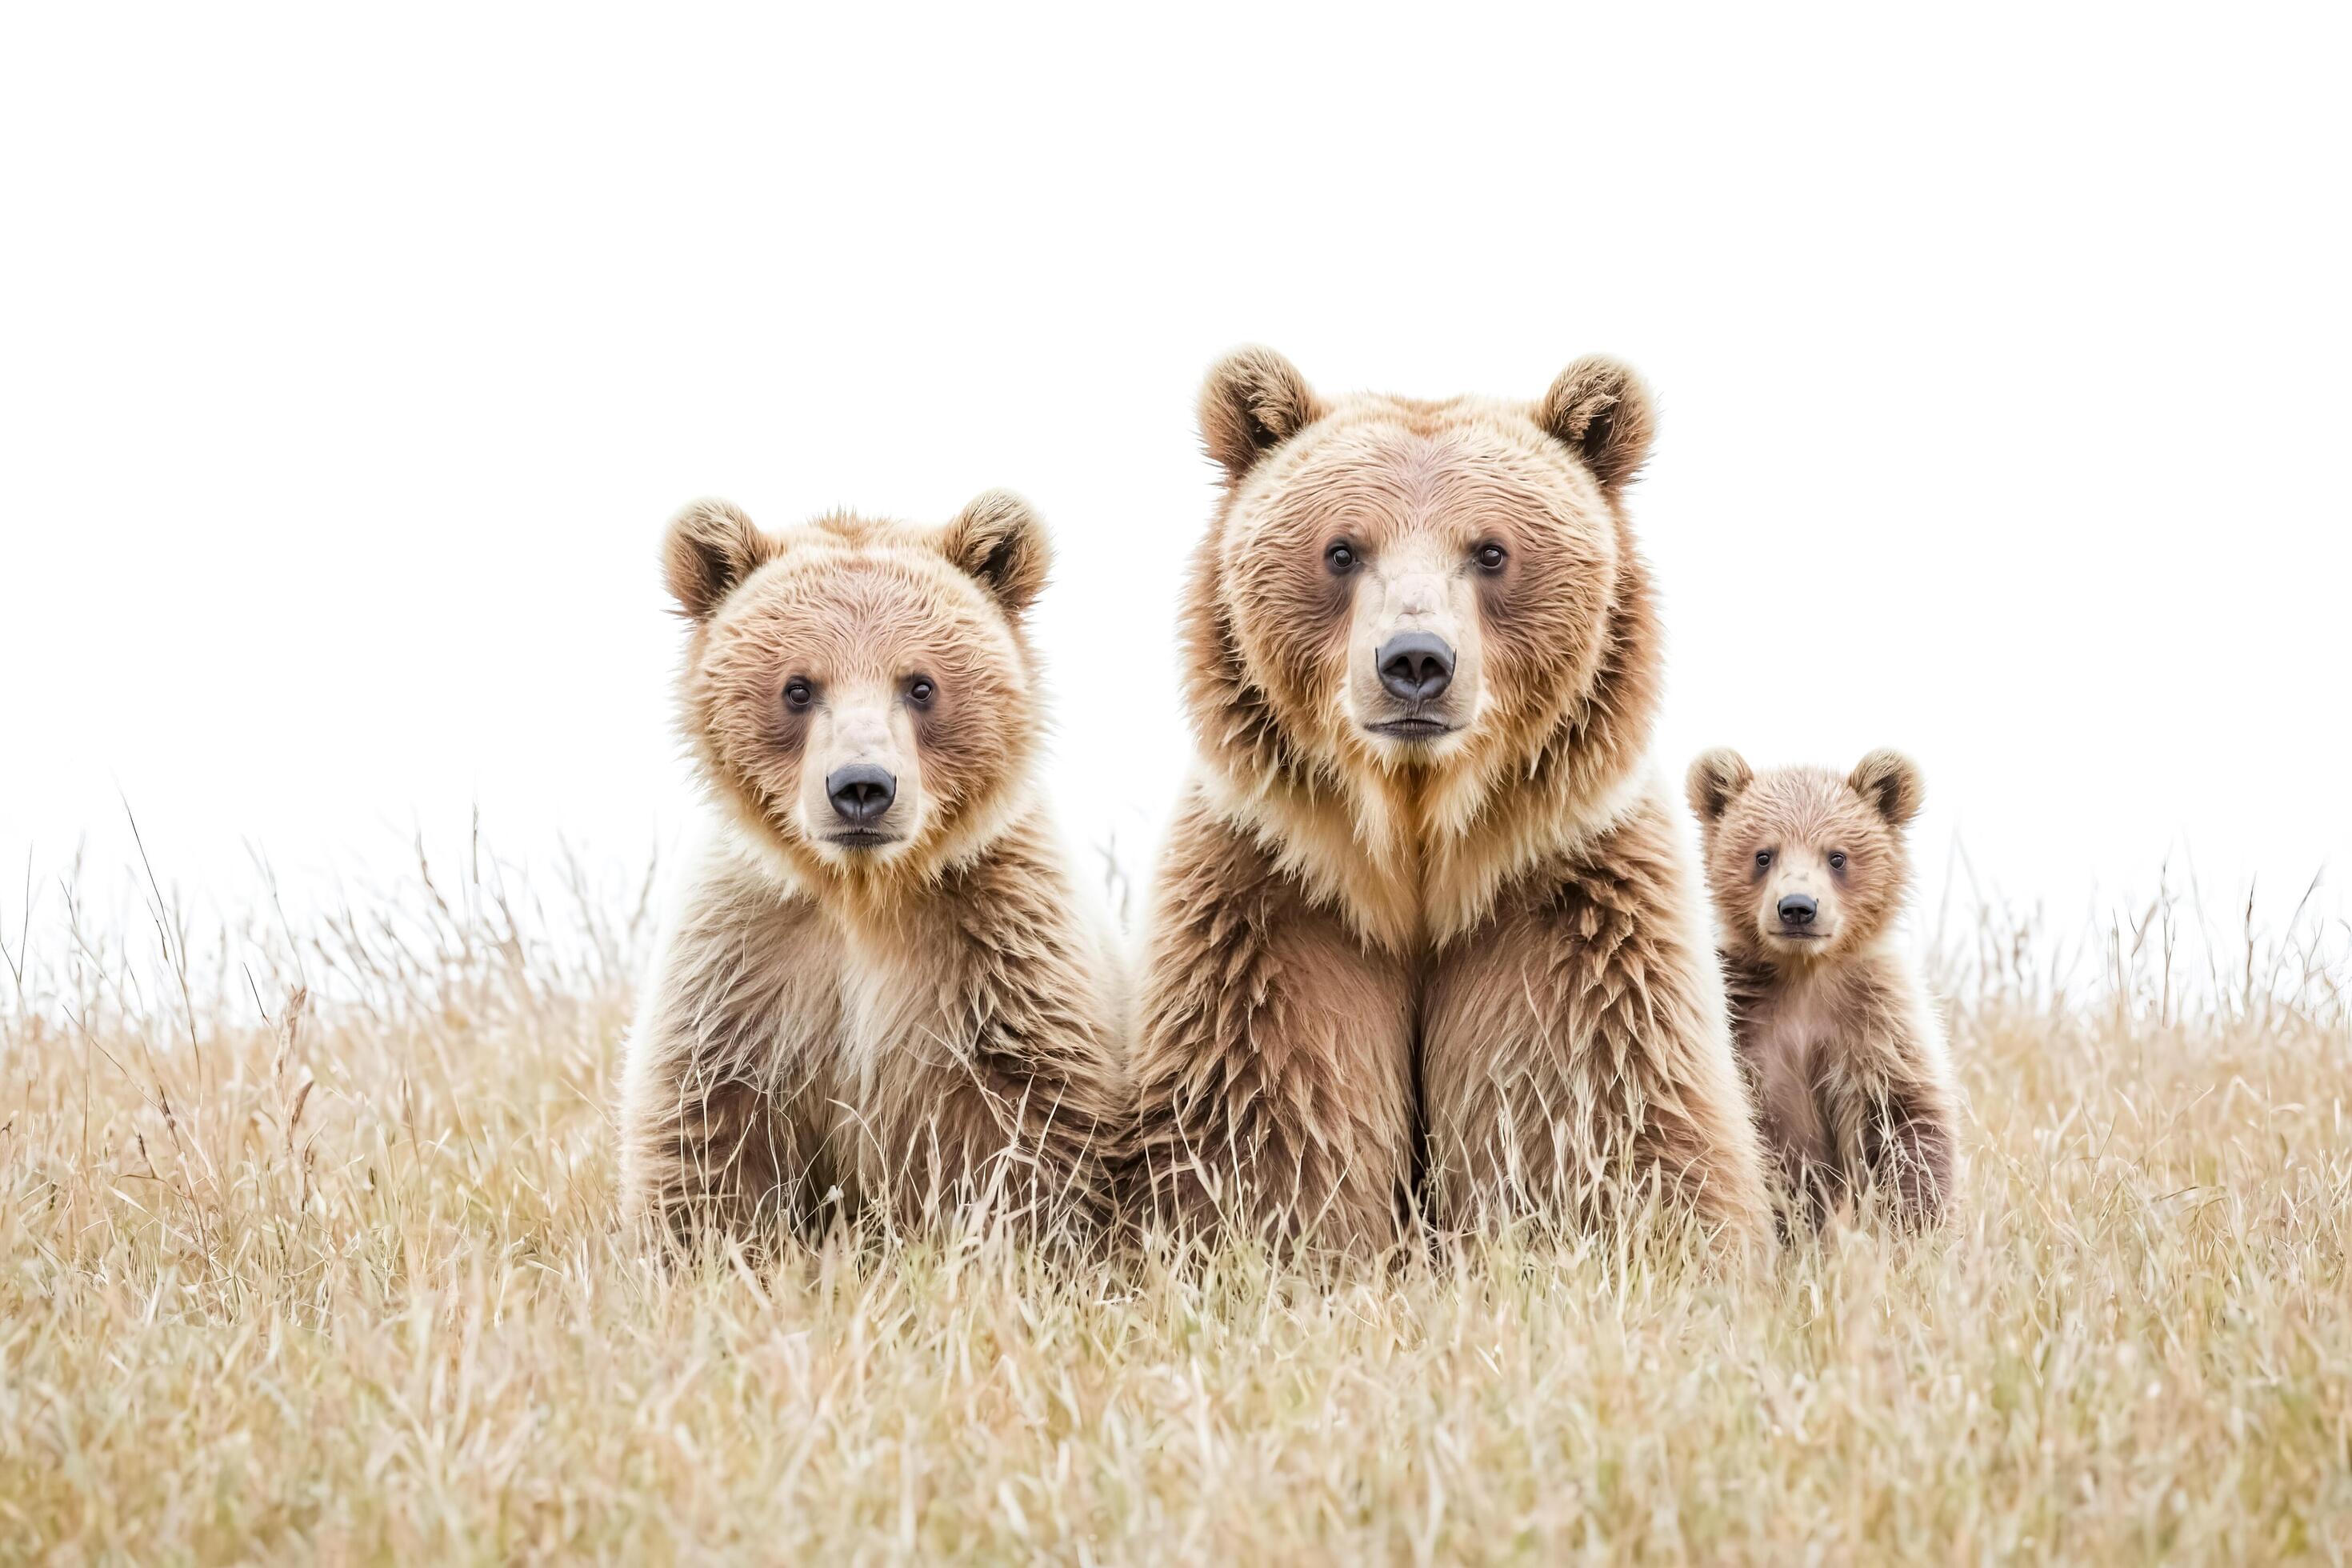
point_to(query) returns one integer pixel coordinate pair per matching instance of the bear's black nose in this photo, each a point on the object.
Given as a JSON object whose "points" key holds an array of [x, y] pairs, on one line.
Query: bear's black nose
{"points": [[861, 793], [1796, 909], [1416, 666]]}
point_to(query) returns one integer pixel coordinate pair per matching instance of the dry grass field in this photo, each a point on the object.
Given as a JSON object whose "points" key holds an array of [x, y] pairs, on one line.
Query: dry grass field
{"points": [[308, 1253]]}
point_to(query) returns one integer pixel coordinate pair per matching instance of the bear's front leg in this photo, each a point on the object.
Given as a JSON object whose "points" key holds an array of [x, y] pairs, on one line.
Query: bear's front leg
{"points": [[988, 1047], [1897, 1133], [1576, 1059], [1273, 1060], [729, 1088]]}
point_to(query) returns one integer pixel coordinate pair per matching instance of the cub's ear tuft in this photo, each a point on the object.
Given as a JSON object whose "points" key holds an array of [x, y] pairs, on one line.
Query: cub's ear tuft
{"points": [[1253, 402], [1716, 777], [1001, 541], [711, 548], [1600, 410], [1890, 782]]}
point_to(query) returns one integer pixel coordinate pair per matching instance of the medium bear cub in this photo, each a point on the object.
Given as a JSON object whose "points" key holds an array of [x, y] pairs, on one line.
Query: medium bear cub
{"points": [[1844, 1059], [874, 992]]}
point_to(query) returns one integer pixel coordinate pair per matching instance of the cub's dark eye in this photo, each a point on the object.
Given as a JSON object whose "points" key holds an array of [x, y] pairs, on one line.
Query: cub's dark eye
{"points": [[1490, 557], [920, 690], [1340, 558], [1763, 859], [798, 693], [1837, 861]]}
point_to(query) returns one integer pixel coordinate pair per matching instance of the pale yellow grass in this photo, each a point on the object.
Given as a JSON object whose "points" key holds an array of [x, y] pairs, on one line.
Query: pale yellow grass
{"points": [[342, 1281]]}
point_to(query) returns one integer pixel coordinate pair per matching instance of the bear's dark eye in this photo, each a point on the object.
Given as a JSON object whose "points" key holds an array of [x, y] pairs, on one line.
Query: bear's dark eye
{"points": [[798, 693], [1763, 859], [1490, 557], [1837, 860], [920, 690], [1340, 558]]}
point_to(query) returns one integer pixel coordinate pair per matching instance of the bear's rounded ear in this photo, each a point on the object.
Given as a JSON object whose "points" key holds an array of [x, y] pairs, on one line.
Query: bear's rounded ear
{"points": [[1600, 410], [1253, 402], [710, 547], [1890, 782], [1716, 777], [1000, 540]]}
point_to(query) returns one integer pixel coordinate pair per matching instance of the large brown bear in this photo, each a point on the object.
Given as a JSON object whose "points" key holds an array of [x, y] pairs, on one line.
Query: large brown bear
{"points": [[1424, 929], [876, 992], [1852, 1089]]}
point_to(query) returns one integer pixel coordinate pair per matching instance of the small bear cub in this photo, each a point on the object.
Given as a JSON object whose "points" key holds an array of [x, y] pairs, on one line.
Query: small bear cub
{"points": [[1844, 1059]]}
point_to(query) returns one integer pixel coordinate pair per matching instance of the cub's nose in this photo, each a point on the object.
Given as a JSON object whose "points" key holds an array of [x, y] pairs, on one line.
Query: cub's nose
{"points": [[1416, 666], [1796, 909], [861, 793]]}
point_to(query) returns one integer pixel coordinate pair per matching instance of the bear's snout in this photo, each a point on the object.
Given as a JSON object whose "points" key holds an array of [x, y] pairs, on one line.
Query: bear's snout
{"points": [[861, 793], [1799, 909], [1416, 666]]}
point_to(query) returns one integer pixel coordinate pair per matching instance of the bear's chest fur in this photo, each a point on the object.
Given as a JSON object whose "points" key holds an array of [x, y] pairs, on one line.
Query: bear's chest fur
{"points": [[1788, 1033]]}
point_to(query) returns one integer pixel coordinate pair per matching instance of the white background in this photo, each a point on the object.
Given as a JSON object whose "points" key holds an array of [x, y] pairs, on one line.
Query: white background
{"points": [[349, 364]]}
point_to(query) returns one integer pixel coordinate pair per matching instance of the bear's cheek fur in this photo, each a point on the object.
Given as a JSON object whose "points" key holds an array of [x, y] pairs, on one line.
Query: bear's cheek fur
{"points": [[975, 741], [1872, 886], [1543, 619], [1742, 894], [750, 739], [1738, 893], [1291, 616]]}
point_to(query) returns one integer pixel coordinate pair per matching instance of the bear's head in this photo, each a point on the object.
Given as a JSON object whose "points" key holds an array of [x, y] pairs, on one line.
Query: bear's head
{"points": [[1803, 865], [1406, 609], [861, 693]]}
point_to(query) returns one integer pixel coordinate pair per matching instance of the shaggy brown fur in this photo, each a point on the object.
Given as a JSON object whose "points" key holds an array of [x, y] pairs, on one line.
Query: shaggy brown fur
{"points": [[1444, 950], [1842, 1054], [908, 1017]]}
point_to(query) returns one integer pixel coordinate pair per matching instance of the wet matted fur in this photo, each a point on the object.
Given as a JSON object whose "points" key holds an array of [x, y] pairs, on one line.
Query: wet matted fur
{"points": [[1843, 1055], [913, 1022], [1463, 967]]}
